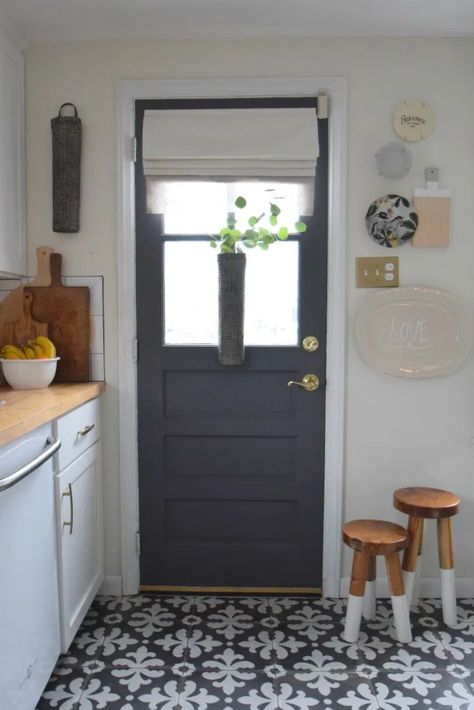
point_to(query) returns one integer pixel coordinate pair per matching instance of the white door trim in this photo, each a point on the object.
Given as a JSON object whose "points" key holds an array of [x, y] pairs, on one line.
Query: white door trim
{"points": [[127, 93]]}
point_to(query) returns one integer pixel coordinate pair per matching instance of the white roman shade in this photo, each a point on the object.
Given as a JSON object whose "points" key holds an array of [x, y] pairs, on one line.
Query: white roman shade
{"points": [[231, 143]]}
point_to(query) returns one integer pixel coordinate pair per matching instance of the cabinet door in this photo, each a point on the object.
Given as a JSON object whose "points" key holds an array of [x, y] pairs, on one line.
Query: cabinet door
{"points": [[79, 516], [12, 158]]}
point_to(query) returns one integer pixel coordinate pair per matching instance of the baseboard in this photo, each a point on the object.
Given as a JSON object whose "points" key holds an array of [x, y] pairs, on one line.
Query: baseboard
{"points": [[111, 586], [429, 587]]}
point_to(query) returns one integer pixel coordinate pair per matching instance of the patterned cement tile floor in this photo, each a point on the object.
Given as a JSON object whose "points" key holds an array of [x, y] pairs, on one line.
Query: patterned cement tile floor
{"points": [[200, 653]]}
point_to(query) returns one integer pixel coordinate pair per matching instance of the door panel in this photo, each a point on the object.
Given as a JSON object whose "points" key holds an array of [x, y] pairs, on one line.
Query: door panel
{"points": [[229, 456], [231, 460]]}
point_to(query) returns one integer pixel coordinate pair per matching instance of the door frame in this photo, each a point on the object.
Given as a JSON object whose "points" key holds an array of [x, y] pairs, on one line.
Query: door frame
{"points": [[127, 93]]}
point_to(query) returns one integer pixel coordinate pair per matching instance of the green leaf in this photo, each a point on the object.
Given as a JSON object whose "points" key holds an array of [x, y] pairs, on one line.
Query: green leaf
{"points": [[273, 219], [213, 244], [301, 227], [274, 209], [263, 245], [251, 234], [224, 232], [249, 243], [283, 233], [236, 233], [240, 202], [262, 232]]}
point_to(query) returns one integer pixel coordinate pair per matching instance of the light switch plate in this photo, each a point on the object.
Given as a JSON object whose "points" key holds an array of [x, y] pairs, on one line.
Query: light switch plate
{"points": [[377, 271]]}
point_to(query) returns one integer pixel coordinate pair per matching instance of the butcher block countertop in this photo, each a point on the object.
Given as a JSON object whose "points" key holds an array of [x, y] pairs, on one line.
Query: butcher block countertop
{"points": [[26, 410]]}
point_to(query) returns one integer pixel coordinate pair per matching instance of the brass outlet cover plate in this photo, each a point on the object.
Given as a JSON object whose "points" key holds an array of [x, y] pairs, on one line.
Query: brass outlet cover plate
{"points": [[377, 271]]}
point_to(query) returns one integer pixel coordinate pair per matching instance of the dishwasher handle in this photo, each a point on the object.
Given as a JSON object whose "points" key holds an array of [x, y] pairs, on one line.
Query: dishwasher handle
{"points": [[53, 444]]}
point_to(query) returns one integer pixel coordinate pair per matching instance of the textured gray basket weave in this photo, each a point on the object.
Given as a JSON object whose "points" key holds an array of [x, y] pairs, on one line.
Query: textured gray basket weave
{"points": [[231, 308], [66, 133]]}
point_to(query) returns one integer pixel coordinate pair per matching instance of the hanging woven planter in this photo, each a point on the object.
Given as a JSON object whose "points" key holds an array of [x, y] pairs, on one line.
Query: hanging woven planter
{"points": [[231, 308], [66, 134]]}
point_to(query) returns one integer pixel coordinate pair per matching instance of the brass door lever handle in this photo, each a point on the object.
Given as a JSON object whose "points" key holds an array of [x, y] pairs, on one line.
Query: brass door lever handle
{"points": [[309, 382]]}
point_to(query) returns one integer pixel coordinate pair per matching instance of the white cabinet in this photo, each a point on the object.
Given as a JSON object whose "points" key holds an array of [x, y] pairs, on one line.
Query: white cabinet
{"points": [[79, 519], [12, 160]]}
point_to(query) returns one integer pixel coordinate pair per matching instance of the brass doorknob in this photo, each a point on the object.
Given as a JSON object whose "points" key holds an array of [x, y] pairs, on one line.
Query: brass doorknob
{"points": [[309, 382]]}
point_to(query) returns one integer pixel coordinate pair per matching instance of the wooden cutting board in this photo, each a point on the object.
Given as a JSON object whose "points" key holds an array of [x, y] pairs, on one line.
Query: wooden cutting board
{"points": [[11, 308], [20, 331], [66, 309]]}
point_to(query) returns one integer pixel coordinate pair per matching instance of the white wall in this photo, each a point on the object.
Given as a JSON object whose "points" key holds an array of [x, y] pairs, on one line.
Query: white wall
{"points": [[397, 431]]}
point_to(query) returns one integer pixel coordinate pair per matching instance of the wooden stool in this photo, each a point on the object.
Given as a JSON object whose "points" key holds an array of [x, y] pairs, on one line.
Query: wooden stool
{"points": [[430, 503], [369, 538]]}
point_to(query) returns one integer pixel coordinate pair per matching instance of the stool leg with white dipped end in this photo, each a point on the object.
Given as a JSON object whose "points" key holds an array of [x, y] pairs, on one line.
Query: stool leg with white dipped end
{"points": [[446, 563], [401, 615], [410, 557], [417, 582], [356, 597], [369, 605]]}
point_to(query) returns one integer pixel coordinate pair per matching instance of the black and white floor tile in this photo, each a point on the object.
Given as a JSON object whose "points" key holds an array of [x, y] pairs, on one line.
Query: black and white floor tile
{"points": [[257, 653]]}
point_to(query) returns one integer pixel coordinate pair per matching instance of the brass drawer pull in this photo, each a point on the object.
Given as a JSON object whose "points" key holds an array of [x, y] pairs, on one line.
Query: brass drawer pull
{"points": [[85, 431], [68, 494]]}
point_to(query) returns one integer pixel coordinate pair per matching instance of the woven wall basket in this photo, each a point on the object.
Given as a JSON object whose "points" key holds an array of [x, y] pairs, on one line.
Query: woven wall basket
{"points": [[231, 308], [66, 133]]}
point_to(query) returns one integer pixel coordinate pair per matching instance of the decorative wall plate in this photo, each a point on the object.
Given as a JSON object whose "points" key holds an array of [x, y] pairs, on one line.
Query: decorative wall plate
{"points": [[393, 160], [413, 331], [413, 120], [391, 221]]}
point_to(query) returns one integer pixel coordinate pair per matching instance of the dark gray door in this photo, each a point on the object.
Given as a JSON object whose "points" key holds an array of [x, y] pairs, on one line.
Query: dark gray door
{"points": [[231, 460]]}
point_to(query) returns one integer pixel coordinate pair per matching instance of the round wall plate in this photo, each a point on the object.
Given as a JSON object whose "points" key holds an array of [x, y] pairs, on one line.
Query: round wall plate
{"points": [[393, 160], [414, 120], [413, 331], [391, 221]]}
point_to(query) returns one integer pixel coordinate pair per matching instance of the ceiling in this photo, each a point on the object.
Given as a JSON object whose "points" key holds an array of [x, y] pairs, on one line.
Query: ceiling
{"points": [[58, 20]]}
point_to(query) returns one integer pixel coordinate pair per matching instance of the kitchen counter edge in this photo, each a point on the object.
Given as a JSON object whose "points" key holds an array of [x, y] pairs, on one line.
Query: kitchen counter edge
{"points": [[26, 410]]}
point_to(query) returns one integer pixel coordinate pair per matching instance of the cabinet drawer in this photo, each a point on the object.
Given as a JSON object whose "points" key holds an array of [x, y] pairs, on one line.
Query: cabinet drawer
{"points": [[78, 430]]}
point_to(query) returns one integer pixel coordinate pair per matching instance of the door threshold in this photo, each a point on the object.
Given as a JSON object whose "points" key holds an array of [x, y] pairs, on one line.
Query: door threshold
{"points": [[230, 590]]}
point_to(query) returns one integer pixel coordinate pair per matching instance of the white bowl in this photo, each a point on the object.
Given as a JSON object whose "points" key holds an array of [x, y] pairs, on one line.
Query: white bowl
{"points": [[29, 374]]}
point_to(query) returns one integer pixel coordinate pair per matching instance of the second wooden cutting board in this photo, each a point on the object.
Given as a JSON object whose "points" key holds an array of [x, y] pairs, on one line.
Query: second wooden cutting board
{"points": [[66, 309]]}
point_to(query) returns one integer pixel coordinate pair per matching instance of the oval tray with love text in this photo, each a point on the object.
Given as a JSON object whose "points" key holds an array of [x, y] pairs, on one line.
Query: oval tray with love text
{"points": [[414, 331]]}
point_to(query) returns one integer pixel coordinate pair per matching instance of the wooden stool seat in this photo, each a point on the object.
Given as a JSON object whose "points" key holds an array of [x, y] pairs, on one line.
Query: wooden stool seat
{"points": [[419, 504], [369, 538], [426, 502], [376, 537]]}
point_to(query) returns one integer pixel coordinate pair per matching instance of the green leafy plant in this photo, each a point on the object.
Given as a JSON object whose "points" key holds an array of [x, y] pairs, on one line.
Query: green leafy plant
{"points": [[230, 239]]}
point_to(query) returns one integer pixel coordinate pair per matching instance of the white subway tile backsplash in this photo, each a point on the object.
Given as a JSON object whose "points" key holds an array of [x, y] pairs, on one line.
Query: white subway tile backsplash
{"points": [[97, 367], [80, 280], [9, 284], [97, 297], [97, 334]]}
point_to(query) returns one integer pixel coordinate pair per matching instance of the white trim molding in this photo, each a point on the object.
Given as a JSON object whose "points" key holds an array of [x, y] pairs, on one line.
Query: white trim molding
{"points": [[127, 93], [111, 586]]}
